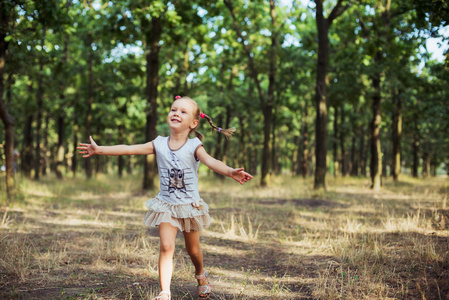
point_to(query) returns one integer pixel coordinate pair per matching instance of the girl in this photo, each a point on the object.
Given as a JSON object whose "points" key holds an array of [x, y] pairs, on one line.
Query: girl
{"points": [[178, 204]]}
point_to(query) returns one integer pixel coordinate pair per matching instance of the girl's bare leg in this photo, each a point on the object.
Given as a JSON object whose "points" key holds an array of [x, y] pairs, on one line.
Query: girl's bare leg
{"points": [[167, 235], [192, 241]]}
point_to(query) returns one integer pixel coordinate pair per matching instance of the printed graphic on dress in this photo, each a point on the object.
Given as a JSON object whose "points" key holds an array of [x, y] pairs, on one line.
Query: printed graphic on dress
{"points": [[176, 181]]}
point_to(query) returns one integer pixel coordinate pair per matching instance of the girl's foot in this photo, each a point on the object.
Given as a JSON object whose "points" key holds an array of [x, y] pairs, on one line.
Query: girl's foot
{"points": [[164, 295], [204, 289]]}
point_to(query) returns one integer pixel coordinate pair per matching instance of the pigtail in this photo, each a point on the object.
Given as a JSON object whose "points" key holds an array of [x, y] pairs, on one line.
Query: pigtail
{"points": [[198, 135], [227, 132]]}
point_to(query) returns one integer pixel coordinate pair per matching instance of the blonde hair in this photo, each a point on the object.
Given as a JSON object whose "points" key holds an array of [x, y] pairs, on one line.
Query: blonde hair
{"points": [[198, 115]]}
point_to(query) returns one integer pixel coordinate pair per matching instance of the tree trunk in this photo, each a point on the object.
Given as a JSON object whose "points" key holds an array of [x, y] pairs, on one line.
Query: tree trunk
{"points": [[27, 152], [376, 155], [75, 154], [90, 101], [344, 163], [397, 135], [362, 154], [120, 160], [335, 142], [354, 162], [40, 96], [320, 98], [305, 142], [243, 161], [61, 116], [322, 25], [7, 119], [152, 65], [45, 164], [415, 149], [426, 164], [60, 155]]}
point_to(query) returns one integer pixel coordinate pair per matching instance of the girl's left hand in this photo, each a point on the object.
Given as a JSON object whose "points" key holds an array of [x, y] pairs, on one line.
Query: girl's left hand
{"points": [[240, 176]]}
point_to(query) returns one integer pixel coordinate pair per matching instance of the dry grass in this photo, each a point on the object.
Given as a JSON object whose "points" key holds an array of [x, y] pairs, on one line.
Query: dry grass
{"points": [[79, 239]]}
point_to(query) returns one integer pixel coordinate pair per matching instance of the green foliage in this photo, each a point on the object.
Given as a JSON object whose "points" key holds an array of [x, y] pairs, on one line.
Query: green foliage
{"points": [[201, 56]]}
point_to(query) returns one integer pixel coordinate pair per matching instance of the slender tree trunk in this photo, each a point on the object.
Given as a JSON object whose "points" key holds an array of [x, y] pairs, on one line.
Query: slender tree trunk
{"points": [[7, 119], [40, 96], [61, 116], [243, 161], [45, 164], [344, 163], [354, 161], [152, 57], [321, 133], [305, 142], [415, 149], [274, 168], [335, 142], [60, 156], [75, 154], [376, 156], [397, 135], [120, 160], [90, 101], [27, 153], [426, 164]]}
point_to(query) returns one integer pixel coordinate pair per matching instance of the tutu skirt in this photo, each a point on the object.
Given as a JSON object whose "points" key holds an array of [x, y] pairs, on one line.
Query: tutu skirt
{"points": [[186, 217]]}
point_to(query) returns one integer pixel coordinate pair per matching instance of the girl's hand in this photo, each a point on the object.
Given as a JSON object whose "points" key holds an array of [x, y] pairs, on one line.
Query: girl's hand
{"points": [[88, 149], [240, 176]]}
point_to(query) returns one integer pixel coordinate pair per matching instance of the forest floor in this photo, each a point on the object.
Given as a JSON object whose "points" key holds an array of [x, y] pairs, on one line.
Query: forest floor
{"points": [[80, 239]]}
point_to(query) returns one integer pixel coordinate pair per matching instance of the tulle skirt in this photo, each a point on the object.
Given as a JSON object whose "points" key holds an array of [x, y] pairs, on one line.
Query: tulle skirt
{"points": [[187, 217]]}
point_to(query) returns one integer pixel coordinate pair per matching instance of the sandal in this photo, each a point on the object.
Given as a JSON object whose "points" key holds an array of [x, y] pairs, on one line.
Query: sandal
{"points": [[164, 295], [204, 291]]}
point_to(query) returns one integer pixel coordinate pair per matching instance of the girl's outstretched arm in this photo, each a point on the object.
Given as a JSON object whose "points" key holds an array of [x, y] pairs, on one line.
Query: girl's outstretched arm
{"points": [[93, 149], [218, 166]]}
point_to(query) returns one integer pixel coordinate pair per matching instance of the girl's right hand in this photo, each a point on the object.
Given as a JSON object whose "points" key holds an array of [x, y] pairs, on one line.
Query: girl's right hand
{"points": [[88, 149]]}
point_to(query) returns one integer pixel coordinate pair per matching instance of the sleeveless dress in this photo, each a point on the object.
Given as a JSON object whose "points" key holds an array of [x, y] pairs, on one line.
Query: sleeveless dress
{"points": [[178, 201]]}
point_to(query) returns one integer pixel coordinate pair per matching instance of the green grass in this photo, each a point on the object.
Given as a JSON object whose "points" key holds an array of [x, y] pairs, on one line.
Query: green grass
{"points": [[84, 239]]}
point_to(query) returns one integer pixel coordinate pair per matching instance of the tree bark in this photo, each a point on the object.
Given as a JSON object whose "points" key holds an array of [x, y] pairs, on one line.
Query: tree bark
{"points": [[152, 64], [335, 142], [75, 154], [27, 152], [61, 152], [362, 153], [90, 101], [61, 116], [40, 96], [415, 149], [426, 164], [7, 119], [321, 134], [344, 163], [376, 155], [304, 142], [45, 160], [397, 135]]}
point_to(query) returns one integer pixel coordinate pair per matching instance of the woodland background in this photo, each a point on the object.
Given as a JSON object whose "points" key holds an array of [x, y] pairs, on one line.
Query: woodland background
{"points": [[313, 87]]}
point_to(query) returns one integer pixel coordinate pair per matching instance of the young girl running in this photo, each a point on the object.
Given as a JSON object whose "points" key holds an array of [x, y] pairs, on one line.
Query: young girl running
{"points": [[178, 204]]}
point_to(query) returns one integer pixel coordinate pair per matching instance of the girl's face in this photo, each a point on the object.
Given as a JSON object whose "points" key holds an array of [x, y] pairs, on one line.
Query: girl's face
{"points": [[181, 115]]}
